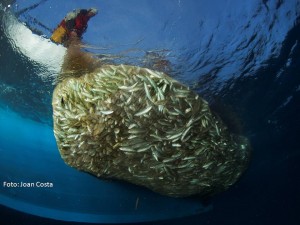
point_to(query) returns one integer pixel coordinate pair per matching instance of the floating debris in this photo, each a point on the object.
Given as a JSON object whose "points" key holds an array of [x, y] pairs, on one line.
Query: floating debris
{"points": [[141, 126]]}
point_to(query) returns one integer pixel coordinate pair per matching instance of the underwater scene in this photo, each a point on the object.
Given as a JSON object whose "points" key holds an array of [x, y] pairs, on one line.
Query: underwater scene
{"points": [[149, 112]]}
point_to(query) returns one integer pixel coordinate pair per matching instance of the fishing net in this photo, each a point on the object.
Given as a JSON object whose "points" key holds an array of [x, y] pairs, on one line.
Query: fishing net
{"points": [[141, 126]]}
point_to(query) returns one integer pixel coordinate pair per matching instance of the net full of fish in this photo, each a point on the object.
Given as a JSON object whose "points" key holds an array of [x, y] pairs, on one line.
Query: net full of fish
{"points": [[141, 126]]}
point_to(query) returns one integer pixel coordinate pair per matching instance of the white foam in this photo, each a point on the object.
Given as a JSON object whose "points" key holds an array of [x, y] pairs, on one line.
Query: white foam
{"points": [[37, 48]]}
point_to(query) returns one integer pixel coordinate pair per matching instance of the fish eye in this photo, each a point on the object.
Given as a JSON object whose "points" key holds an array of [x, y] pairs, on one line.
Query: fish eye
{"points": [[62, 102]]}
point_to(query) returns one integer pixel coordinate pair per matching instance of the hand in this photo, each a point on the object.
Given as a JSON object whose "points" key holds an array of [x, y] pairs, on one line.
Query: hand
{"points": [[73, 34]]}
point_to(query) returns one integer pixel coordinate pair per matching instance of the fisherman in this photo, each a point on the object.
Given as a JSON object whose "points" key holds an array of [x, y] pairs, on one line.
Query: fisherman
{"points": [[69, 33], [73, 26]]}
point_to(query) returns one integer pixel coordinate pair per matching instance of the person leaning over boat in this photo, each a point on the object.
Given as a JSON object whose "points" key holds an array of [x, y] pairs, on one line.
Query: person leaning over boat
{"points": [[69, 33], [73, 26]]}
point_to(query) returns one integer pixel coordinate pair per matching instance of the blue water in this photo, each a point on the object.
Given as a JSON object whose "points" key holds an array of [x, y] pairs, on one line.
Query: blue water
{"points": [[242, 56]]}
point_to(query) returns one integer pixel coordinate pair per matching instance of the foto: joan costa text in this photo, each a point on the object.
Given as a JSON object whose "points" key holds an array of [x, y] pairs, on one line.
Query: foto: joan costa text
{"points": [[21, 184]]}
